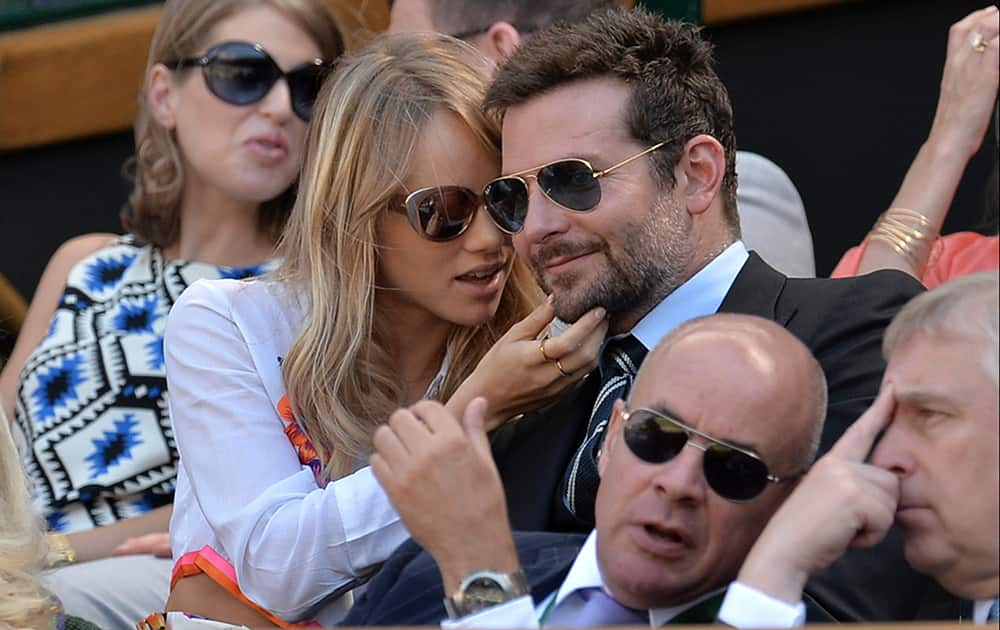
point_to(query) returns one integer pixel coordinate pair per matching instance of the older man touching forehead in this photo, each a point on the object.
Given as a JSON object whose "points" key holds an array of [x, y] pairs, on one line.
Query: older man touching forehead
{"points": [[936, 470], [692, 469]]}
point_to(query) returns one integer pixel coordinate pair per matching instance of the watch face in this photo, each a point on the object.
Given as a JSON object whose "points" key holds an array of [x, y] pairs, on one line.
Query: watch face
{"points": [[483, 592]]}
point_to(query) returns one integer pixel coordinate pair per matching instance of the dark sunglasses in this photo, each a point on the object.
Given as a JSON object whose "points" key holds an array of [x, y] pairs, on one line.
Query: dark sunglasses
{"points": [[442, 213], [241, 73], [732, 472], [571, 184]]}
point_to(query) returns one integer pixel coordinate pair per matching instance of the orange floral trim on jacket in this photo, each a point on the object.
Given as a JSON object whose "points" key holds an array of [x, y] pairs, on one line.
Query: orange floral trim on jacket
{"points": [[209, 562], [300, 441]]}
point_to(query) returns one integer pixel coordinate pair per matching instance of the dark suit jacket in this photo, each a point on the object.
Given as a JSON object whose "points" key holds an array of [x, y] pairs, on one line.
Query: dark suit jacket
{"points": [[842, 321], [408, 589]]}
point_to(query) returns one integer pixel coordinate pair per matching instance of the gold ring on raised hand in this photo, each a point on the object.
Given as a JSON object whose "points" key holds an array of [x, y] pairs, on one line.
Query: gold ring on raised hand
{"points": [[560, 368], [541, 348], [978, 42]]}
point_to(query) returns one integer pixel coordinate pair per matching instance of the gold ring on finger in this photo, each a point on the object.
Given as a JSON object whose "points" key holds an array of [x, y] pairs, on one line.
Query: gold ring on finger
{"points": [[541, 348], [560, 368], [978, 42]]}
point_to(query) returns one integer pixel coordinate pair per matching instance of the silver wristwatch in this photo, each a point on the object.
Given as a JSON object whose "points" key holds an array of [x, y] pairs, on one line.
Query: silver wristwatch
{"points": [[483, 589]]}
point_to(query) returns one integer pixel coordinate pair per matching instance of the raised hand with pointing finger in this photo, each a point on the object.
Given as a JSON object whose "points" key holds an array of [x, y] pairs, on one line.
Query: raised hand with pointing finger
{"points": [[842, 502]]}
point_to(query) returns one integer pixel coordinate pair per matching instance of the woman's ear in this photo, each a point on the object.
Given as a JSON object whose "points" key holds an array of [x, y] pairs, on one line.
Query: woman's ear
{"points": [[500, 41], [704, 165], [161, 96]]}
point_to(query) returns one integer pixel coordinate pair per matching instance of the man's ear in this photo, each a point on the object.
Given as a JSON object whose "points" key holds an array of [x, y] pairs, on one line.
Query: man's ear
{"points": [[500, 41], [161, 96], [703, 166], [611, 436]]}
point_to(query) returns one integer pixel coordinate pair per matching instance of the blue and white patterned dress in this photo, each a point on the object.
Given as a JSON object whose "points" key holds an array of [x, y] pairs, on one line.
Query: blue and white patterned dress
{"points": [[92, 402]]}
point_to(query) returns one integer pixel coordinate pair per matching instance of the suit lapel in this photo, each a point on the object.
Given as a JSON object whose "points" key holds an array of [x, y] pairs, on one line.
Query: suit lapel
{"points": [[547, 559], [532, 455], [757, 291]]}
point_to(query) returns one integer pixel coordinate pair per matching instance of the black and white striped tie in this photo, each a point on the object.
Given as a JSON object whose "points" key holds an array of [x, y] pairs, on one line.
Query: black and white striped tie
{"points": [[619, 363]]}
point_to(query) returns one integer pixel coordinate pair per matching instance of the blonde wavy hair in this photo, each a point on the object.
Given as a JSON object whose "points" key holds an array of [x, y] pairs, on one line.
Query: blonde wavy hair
{"points": [[23, 550], [367, 122], [156, 170]]}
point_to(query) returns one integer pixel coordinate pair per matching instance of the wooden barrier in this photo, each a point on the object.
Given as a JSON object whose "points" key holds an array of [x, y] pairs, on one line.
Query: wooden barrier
{"points": [[80, 78]]}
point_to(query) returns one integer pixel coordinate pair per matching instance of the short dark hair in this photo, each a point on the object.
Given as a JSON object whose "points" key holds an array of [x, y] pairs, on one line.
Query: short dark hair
{"points": [[676, 93], [463, 16]]}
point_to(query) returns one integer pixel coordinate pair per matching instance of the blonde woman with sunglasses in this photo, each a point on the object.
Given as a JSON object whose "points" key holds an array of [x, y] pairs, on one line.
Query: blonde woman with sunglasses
{"points": [[395, 285]]}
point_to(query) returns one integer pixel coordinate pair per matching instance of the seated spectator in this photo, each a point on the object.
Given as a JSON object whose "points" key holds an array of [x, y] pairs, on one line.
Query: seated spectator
{"points": [[23, 552], [216, 160], [905, 236], [632, 207], [672, 522], [395, 283], [772, 216], [934, 471]]}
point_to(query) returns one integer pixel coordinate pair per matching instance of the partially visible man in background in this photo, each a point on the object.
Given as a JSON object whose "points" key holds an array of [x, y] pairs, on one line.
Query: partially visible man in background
{"points": [[935, 472]]}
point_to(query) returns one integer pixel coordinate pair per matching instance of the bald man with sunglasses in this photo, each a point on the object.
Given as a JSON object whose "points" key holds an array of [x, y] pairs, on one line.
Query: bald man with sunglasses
{"points": [[693, 467]]}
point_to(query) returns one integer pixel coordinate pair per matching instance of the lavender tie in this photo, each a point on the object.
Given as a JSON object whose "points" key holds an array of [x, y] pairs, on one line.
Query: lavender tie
{"points": [[600, 609]]}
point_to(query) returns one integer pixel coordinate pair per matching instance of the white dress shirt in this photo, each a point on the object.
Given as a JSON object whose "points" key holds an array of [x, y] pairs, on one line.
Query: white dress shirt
{"points": [[746, 607], [241, 489], [559, 606], [701, 295], [981, 609]]}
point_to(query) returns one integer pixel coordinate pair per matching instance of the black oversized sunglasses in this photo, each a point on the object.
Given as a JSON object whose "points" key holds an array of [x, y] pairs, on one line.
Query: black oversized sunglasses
{"points": [[571, 184], [732, 472], [241, 73], [442, 213]]}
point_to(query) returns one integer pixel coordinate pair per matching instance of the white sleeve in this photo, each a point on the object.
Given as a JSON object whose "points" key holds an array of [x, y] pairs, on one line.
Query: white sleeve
{"points": [[517, 613], [746, 607], [290, 542]]}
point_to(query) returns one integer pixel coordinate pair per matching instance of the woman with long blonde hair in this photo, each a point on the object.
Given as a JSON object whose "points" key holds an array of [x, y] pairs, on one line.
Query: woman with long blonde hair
{"points": [[219, 138], [395, 285], [23, 552]]}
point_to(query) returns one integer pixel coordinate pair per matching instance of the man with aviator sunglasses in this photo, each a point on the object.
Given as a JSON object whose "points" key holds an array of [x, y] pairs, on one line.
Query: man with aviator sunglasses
{"points": [[772, 215], [693, 468], [619, 187]]}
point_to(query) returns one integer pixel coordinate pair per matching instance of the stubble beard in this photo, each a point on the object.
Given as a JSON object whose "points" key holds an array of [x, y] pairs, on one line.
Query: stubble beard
{"points": [[654, 260]]}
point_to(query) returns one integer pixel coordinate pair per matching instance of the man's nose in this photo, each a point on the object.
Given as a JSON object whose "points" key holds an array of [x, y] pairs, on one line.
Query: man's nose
{"points": [[544, 218], [893, 452], [682, 478]]}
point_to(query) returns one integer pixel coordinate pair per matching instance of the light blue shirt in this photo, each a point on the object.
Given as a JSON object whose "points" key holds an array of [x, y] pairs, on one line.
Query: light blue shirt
{"points": [[701, 295]]}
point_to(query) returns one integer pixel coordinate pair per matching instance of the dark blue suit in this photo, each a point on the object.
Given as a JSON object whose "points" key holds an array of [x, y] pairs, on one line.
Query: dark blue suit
{"points": [[408, 589]]}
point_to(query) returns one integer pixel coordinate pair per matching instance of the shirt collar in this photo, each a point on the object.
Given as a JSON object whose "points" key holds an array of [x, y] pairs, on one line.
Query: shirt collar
{"points": [[701, 295], [585, 573], [981, 609]]}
